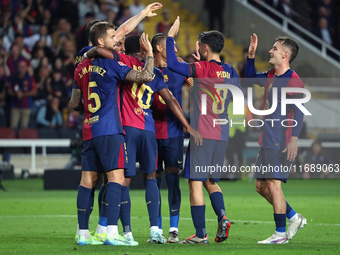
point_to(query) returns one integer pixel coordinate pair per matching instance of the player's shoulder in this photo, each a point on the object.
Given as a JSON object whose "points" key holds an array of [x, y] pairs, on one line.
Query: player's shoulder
{"points": [[157, 71], [83, 50], [295, 80], [83, 64]]}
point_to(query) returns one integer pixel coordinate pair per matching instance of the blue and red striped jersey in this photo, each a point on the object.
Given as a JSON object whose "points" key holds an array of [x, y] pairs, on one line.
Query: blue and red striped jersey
{"points": [[98, 81], [137, 97], [166, 123], [274, 134], [209, 74]]}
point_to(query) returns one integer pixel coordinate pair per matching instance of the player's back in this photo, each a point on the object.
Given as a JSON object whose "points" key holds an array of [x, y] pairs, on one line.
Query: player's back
{"points": [[98, 79], [208, 120]]}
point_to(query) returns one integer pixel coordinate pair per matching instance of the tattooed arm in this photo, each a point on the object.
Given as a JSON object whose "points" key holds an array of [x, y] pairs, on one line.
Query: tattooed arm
{"points": [[75, 101], [146, 75]]}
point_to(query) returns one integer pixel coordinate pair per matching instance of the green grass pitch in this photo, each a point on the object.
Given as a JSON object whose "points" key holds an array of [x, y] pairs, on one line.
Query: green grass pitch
{"points": [[34, 221]]}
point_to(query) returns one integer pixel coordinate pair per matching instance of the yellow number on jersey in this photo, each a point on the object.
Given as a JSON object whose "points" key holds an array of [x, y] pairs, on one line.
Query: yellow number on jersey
{"points": [[223, 97], [140, 95], [94, 96]]}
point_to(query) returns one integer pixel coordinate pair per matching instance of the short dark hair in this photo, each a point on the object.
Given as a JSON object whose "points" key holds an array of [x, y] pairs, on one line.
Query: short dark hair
{"points": [[99, 30], [156, 39], [132, 44], [88, 28], [214, 39], [291, 44]]}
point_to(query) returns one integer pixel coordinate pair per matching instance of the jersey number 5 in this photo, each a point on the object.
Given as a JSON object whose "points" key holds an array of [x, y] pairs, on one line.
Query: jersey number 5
{"points": [[95, 97]]}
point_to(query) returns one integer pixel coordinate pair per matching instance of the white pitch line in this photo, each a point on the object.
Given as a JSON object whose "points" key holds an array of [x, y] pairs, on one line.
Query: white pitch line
{"points": [[165, 218]]}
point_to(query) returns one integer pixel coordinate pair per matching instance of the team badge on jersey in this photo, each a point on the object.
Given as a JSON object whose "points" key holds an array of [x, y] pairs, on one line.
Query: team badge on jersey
{"points": [[166, 79]]}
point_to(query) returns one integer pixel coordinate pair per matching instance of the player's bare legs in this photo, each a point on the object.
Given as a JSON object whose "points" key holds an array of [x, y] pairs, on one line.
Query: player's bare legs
{"points": [[217, 202], [262, 189]]}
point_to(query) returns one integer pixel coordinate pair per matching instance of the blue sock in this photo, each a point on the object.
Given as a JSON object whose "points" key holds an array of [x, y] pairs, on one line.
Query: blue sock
{"points": [[174, 198], [113, 198], [159, 184], [125, 209], [102, 208], [100, 198], [198, 218], [290, 211], [280, 222], [91, 202], [217, 203], [152, 200], [83, 200]]}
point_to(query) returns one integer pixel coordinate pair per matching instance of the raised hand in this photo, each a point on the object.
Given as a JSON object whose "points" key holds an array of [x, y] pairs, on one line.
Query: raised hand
{"points": [[152, 7], [145, 43], [197, 56], [252, 46], [173, 31]]}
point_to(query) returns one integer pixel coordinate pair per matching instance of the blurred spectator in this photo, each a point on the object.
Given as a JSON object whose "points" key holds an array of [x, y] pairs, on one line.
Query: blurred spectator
{"points": [[112, 4], [136, 8], [4, 74], [323, 32], [62, 33], [22, 89], [67, 53], [59, 89], [326, 10], [32, 14], [111, 16], [215, 10], [20, 27], [101, 15], [14, 58], [49, 115], [68, 9], [24, 51], [125, 16], [44, 86], [316, 158], [42, 36], [37, 55], [82, 39], [85, 7], [47, 20], [164, 25]]}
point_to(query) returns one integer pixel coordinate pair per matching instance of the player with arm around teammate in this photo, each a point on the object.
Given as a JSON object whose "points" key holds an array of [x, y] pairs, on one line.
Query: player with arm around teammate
{"points": [[140, 131], [103, 134]]}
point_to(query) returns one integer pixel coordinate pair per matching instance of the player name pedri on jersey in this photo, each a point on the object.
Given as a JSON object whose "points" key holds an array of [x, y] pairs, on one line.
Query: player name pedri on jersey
{"points": [[93, 69], [223, 74]]}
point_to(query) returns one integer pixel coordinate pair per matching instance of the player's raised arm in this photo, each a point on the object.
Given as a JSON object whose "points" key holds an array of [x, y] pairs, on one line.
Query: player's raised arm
{"points": [[252, 46], [173, 105], [146, 75], [172, 61], [131, 23]]}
